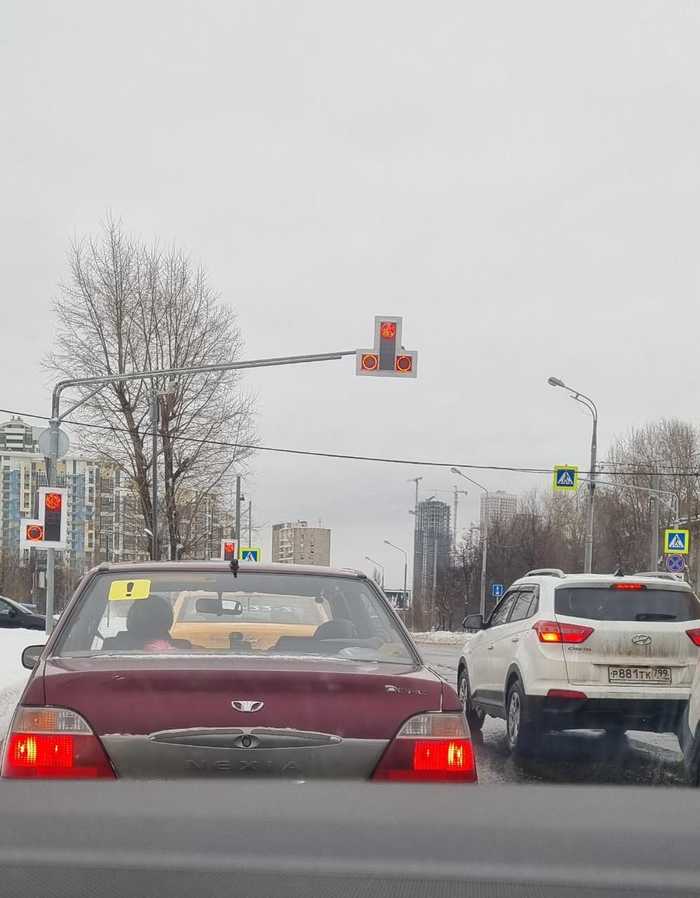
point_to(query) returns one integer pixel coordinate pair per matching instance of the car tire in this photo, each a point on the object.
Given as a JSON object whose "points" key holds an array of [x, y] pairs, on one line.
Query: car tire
{"points": [[475, 716], [521, 731]]}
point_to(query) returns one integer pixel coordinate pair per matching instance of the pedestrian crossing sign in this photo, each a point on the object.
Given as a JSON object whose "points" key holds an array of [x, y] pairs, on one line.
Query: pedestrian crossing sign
{"points": [[676, 542], [251, 553], [565, 478]]}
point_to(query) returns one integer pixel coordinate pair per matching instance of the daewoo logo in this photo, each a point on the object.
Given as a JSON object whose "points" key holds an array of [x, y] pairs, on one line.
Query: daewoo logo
{"points": [[247, 706], [641, 639]]}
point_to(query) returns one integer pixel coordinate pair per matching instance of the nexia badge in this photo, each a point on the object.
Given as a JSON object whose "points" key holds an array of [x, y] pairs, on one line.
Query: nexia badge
{"points": [[565, 478], [676, 542]]}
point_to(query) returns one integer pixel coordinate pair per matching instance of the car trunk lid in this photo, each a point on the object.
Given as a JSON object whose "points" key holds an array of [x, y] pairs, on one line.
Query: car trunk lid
{"points": [[219, 716]]}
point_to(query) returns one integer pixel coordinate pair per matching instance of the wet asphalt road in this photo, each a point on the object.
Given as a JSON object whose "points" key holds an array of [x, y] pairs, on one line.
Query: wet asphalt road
{"points": [[572, 757]]}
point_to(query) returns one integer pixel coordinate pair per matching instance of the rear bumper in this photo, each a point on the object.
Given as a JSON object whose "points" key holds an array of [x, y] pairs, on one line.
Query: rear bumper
{"points": [[652, 715]]}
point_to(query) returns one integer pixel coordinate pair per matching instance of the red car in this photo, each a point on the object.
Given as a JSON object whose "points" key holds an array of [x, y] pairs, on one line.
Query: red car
{"points": [[172, 670]]}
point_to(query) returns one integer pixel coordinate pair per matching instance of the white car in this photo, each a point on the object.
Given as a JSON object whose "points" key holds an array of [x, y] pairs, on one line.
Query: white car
{"points": [[582, 651]]}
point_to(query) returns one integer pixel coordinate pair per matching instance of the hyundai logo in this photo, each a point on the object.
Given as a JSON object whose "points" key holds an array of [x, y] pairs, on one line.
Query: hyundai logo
{"points": [[641, 639], [247, 706]]}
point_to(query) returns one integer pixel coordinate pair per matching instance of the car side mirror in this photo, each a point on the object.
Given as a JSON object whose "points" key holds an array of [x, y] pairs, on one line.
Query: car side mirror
{"points": [[31, 655], [474, 622], [13, 612]]}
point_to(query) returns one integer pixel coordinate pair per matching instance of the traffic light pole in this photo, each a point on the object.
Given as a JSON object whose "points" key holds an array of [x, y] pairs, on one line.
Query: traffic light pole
{"points": [[101, 381]]}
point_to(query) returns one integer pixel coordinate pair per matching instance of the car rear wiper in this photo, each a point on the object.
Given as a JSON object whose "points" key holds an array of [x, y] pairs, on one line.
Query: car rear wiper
{"points": [[652, 615]]}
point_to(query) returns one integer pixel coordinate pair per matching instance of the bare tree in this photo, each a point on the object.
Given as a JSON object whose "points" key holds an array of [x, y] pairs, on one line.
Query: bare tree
{"points": [[132, 307]]}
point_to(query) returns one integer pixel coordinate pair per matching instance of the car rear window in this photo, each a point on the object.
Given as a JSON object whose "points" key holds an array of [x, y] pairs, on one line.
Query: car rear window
{"points": [[605, 603], [259, 613]]}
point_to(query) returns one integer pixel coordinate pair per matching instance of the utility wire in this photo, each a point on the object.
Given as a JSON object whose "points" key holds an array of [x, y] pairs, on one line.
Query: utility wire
{"points": [[350, 457]]}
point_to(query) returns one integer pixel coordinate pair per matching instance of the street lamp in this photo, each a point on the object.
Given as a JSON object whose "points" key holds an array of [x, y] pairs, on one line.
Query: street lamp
{"points": [[379, 565], [484, 538], [405, 568], [591, 406]]}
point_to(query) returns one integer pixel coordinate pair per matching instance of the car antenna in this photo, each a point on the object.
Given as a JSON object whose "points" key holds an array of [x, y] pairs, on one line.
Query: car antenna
{"points": [[234, 567], [619, 572]]}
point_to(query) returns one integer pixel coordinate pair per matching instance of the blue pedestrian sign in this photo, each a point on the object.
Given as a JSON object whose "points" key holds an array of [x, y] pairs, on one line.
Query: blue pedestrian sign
{"points": [[497, 590], [565, 478], [251, 553], [676, 542], [675, 564]]}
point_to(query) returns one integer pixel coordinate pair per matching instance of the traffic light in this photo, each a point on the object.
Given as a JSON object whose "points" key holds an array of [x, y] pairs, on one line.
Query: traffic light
{"points": [[53, 518], [388, 358], [53, 513], [228, 549], [33, 532]]}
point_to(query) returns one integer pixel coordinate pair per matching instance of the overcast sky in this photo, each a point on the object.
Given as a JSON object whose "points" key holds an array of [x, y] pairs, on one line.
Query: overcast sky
{"points": [[519, 180]]}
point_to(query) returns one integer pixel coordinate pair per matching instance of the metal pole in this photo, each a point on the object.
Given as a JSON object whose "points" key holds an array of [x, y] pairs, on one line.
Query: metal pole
{"points": [[432, 600], [238, 514], [250, 522], [454, 525], [654, 541], [588, 551], [155, 554], [484, 556], [51, 480]]}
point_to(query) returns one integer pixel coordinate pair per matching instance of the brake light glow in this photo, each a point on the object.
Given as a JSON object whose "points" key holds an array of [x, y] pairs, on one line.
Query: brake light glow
{"points": [[570, 694], [53, 743], [694, 635], [432, 748], [628, 586], [553, 631]]}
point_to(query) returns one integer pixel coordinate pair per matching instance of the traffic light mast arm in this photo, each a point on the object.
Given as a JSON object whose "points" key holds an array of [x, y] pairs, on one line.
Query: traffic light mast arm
{"points": [[102, 380]]}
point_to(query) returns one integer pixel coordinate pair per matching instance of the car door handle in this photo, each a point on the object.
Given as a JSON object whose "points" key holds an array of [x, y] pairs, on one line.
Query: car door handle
{"points": [[491, 648], [516, 639]]}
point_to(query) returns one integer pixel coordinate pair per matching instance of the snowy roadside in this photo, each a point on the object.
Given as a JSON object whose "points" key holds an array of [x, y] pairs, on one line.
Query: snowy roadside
{"points": [[441, 637], [13, 676]]}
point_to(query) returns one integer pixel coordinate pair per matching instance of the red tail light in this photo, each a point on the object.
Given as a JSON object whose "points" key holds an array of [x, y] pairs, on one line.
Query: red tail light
{"points": [[53, 743], [694, 635], [568, 694], [553, 631], [626, 586], [430, 748]]}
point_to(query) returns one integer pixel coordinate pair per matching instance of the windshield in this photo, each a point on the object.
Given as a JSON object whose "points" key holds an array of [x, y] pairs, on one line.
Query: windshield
{"points": [[254, 614], [603, 603]]}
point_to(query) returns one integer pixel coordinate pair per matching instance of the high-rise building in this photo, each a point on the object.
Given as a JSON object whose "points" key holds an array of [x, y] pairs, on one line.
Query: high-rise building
{"points": [[501, 506], [297, 543], [431, 556]]}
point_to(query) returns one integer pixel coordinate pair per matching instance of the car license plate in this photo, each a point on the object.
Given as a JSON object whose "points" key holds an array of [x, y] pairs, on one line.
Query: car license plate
{"points": [[628, 675]]}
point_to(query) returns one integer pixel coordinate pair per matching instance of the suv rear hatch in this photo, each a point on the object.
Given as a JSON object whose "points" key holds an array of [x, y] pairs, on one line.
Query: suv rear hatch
{"points": [[638, 633], [180, 716]]}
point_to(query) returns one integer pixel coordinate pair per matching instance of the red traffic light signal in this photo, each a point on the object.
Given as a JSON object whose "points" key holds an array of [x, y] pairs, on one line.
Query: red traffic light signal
{"points": [[404, 364], [228, 549], [53, 501], [369, 361], [53, 506], [34, 533]]}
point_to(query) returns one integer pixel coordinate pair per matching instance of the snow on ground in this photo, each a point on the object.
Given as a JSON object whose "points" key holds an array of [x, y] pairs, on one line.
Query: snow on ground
{"points": [[442, 637], [13, 676]]}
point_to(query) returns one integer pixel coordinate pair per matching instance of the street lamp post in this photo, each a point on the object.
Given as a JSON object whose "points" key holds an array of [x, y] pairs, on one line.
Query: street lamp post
{"points": [[380, 566], [484, 539], [405, 568], [591, 406]]}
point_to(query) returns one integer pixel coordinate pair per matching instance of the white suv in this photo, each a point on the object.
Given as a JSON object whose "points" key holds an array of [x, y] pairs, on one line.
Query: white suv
{"points": [[582, 651]]}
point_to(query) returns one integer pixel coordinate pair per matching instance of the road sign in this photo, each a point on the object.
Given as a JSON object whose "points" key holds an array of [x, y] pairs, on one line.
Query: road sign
{"points": [[228, 549], [676, 542], [565, 478], [387, 358], [497, 590], [45, 442], [251, 553], [675, 564]]}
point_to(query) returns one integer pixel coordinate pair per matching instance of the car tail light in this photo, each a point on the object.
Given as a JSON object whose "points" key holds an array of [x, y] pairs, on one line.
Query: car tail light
{"points": [[569, 694], [627, 586], [553, 631], [53, 743], [429, 748], [694, 635]]}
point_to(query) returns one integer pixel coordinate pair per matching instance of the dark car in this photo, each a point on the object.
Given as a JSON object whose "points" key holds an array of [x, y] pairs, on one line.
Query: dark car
{"points": [[171, 670], [16, 616]]}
